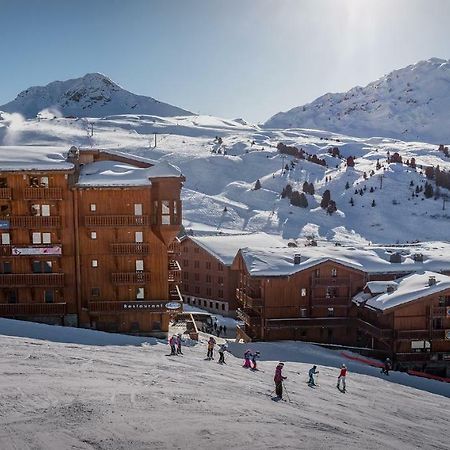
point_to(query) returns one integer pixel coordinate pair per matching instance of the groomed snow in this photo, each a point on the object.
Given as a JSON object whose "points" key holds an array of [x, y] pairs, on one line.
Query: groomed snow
{"points": [[56, 396]]}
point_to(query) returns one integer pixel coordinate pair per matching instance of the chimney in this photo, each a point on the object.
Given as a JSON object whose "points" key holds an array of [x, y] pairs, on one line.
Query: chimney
{"points": [[390, 288], [418, 257], [297, 258], [395, 258], [431, 280]]}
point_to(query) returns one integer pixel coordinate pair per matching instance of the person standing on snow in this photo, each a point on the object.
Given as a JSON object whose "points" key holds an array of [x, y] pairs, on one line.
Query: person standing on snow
{"points": [[178, 340], [311, 373], [211, 344], [247, 356], [255, 356], [222, 349], [341, 377], [387, 366], [172, 343], [278, 379]]}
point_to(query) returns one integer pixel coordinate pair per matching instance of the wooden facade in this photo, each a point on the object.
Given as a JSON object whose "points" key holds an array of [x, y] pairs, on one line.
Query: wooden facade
{"points": [[207, 282], [95, 256], [314, 304]]}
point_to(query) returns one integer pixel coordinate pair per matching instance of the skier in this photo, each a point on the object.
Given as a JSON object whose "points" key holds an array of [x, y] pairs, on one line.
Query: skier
{"points": [[247, 356], [255, 356], [278, 378], [172, 343], [225, 330], [311, 373], [220, 329], [342, 376], [387, 366], [211, 344], [215, 325], [222, 349], [178, 341]]}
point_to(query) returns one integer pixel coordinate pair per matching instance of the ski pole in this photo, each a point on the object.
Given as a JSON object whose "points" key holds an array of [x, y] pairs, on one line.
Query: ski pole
{"points": [[287, 394]]}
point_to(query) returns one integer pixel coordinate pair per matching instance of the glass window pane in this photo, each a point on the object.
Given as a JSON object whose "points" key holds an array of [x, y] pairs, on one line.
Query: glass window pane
{"points": [[46, 238], [37, 238]]}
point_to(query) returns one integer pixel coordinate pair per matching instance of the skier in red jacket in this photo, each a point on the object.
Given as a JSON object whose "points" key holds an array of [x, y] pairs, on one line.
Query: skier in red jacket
{"points": [[341, 377], [278, 378]]}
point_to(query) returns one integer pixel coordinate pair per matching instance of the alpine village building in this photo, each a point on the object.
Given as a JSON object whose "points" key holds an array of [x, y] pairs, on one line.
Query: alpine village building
{"points": [[89, 239]]}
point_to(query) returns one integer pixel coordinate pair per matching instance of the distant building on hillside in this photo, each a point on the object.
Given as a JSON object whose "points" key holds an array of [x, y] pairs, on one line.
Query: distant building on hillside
{"points": [[208, 281], [87, 238]]}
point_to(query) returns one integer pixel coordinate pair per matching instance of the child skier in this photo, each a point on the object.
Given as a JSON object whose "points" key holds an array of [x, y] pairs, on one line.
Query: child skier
{"points": [[278, 379], [387, 366], [311, 373], [255, 356], [211, 344], [178, 340], [172, 343], [222, 349], [341, 377], [247, 356]]}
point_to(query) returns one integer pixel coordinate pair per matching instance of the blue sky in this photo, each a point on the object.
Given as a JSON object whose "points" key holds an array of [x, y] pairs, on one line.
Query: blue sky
{"points": [[230, 58]]}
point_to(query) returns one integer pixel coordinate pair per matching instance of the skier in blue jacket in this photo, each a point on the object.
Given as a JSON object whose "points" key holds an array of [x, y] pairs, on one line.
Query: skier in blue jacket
{"points": [[311, 373]]}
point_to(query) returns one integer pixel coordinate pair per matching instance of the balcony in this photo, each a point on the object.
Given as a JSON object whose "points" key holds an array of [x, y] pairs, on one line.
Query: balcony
{"points": [[175, 294], [32, 279], [174, 272], [35, 222], [331, 281], [128, 307], [127, 278], [130, 249], [32, 309], [313, 322], [330, 301], [374, 331], [246, 317], [413, 334], [115, 221], [174, 247], [40, 193], [248, 300], [5, 193], [440, 311]]}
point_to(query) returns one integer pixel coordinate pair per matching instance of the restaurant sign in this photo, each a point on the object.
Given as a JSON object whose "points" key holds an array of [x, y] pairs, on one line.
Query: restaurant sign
{"points": [[37, 251], [4, 224], [157, 306]]}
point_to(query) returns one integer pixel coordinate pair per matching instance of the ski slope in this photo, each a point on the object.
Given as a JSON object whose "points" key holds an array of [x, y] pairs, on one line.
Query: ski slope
{"points": [[131, 395]]}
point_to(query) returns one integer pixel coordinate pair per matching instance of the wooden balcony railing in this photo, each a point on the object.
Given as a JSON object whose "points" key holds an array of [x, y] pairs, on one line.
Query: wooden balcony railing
{"points": [[5, 250], [175, 294], [35, 221], [115, 221], [126, 307], [39, 193], [5, 193], [32, 309], [241, 333], [32, 279], [440, 311], [174, 272], [174, 247], [124, 278], [330, 301], [130, 249], [372, 330], [248, 300], [413, 334], [331, 281], [247, 318], [312, 322]]}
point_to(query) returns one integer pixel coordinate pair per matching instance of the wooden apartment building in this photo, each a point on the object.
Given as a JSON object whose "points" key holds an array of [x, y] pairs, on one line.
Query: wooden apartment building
{"points": [[88, 238]]}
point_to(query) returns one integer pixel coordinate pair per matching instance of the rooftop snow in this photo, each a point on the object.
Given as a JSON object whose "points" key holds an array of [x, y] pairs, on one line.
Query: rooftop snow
{"points": [[280, 262], [224, 248], [410, 288], [19, 158]]}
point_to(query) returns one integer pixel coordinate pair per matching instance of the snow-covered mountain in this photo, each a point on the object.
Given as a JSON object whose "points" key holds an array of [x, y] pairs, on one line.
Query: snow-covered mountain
{"points": [[93, 95], [68, 388], [409, 104]]}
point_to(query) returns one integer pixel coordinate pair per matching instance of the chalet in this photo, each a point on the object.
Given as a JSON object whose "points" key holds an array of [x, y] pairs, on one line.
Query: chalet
{"points": [[409, 319], [208, 281], [88, 238]]}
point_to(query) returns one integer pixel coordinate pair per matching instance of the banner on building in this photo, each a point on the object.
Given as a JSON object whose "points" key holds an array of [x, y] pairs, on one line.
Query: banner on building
{"points": [[37, 251], [4, 224]]}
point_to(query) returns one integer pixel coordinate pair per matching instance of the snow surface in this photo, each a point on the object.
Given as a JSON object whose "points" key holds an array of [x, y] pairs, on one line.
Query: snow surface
{"points": [[410, 103], [93, 95], [21, 157], [410, 288], [70, 395]]}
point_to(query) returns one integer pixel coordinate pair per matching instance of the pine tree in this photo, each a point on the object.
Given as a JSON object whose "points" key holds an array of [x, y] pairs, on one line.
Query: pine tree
{"points": [[428, 193], [331, 208], [347, 185], [326, 197]]}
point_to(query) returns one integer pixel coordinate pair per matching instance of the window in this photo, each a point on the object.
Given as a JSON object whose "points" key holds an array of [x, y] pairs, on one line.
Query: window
{"points": [[93, 207], [140, 293], [217, 305], [42, 266], [11, 296], [185, 275], [196, 264], [185, 263], [165, 212], [208, 278], [6, 239], [44, 182], [138, 237], [40, 210], [330, 312], [45, 210], [196, 277], [219, 267], [197, 291], [5, 210], [49, 296], [223, 306], [41, 238], [94, 263], [6, 267], [36, 238], [303, 292], [196, 250], [331, 292], [208, 265], [93, 235], [138, 209], [46, 238], [139, 265], [208, 292], [39, 182], [3, 182], [95, 292], [211, 305], [176, 213], [220, 280], [317, 273], [334, 272], [220, 293], [303, 312]]}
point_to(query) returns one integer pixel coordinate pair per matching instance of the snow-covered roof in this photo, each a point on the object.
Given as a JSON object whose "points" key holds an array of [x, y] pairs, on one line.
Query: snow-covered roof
{"points": [[19, 158], [378, 287], [225, 247], [371, 259], [409, 288]]}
